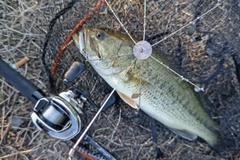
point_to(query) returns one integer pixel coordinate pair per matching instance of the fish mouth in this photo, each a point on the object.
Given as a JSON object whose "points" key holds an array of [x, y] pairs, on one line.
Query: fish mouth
{"points": [[79, 40], [87, 43], [82, 41]]}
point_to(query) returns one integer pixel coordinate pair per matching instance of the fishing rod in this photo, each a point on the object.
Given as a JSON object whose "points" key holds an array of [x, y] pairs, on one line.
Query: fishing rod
{"points": [[59, 116]]}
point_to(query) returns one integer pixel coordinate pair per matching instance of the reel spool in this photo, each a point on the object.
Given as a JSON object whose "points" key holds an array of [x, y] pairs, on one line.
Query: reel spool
{"points": [[58, 116]]}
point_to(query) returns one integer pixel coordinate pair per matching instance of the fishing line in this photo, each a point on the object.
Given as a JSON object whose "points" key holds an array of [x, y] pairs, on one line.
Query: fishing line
{"points": [[72, 150], [189, 23], [170, 35], [197, 87], [144, 20], [120, 22]]}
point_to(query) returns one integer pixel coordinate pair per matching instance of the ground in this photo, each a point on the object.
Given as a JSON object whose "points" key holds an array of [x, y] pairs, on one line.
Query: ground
{"points": [[206, 52]]}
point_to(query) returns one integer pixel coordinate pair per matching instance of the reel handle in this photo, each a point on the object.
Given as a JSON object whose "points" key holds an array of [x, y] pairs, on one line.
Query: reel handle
{"points": [[22, 84]]}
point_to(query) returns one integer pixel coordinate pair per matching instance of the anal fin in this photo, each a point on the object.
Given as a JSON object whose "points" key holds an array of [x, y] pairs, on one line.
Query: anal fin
{"points": [[185, 134]]}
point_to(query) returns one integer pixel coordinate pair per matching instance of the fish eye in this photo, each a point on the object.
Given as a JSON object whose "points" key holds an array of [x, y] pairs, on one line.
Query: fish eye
{"points": [[100, 35]]}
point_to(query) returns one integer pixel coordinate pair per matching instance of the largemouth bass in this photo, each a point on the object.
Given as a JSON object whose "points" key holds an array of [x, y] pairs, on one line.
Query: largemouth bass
{"points": [[147, 84]]}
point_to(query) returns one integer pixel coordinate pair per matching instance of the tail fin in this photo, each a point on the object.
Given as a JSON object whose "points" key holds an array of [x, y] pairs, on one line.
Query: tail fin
{"points": [[219, 145]]}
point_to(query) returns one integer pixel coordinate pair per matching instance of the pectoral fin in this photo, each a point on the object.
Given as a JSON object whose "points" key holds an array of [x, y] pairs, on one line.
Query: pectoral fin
{"points": [[185, 134], [128, 100]]}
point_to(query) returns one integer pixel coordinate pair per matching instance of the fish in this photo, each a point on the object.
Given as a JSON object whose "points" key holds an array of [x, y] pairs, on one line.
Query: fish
{"points": [[145, 84]]}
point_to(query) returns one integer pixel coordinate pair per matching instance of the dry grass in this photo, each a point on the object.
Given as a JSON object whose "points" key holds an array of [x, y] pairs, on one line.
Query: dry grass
{"points": [[23, 25]]}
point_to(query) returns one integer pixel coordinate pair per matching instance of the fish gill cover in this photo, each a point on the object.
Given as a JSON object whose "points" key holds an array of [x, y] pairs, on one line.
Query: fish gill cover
{"points": [[199, 38]]}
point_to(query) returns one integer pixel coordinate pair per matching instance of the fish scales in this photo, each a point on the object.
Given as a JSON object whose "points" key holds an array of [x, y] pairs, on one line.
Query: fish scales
{"points": [[169, 98], [148, 85]]}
